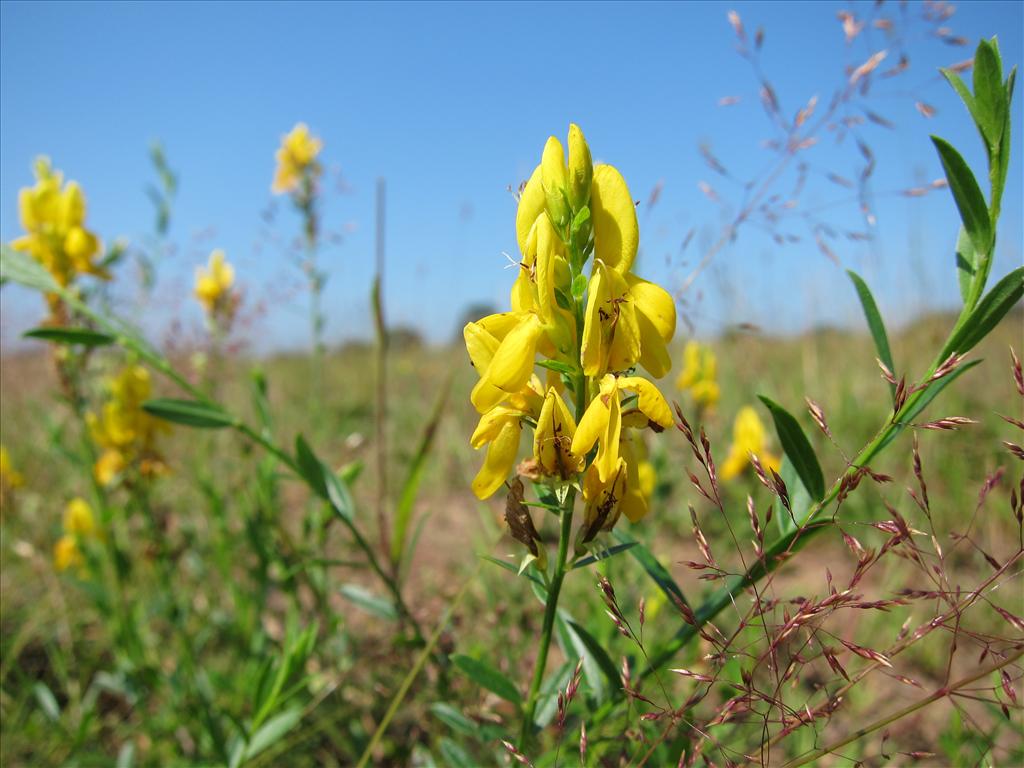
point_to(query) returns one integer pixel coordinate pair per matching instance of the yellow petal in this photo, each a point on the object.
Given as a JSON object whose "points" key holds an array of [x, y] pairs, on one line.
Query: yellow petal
{"points": [[655, 303], [490, 424], [501, 457], [616, 232], [654, 354], [78, 518], [592, 351], [531, 205], [650, 400], [607, 460], [512, 365], [553, 437]]}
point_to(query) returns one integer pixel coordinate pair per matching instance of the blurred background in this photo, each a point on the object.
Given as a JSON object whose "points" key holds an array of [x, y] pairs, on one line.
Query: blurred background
{"points": [[451, 105]]}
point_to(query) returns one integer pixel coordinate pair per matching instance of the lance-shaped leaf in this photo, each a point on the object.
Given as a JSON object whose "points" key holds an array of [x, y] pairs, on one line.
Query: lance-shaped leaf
{"points": [[488, 677], [874, 318], [967, 196], [190, 413], [798, 448], [81, 336], [986, 315]]}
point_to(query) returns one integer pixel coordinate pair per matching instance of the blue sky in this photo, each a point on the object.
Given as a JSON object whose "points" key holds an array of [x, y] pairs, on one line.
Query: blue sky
{"points": [[452, 103]]}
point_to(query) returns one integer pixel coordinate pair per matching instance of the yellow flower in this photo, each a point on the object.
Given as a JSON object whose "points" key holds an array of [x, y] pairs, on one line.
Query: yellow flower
{"points": [[213, 285], [748, 437], [125, 432], [66, 554], [79, 525], [78, 519], [552, 439], [53, 216], [10, 478], [500, 430], [603, 420], [699, 374], [108, 466], [296, 158]]}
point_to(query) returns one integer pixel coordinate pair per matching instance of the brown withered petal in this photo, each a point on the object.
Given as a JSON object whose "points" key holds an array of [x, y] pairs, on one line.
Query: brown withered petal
{"points": [[517, 517]]}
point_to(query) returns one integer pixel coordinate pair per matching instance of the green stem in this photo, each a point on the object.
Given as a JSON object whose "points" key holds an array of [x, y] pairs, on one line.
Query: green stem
{"points": [[550, 611]]}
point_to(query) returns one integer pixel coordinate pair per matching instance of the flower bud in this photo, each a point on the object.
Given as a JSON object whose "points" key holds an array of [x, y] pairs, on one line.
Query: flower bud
{"points": [[581, 168], [553, 177]]}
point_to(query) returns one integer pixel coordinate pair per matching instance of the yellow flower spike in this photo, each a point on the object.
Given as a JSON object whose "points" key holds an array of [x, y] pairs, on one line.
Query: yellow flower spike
{"points": [[698, 374], [581, 168], [656, 318], [616, 231], [78, 518], [650, 401], [214, 282], [54, 221], [611, 334], [295, 158], [554, 176], [66, 554], [531, 206], [552, 439], [749, 436], [501, 429], [511, 366]]}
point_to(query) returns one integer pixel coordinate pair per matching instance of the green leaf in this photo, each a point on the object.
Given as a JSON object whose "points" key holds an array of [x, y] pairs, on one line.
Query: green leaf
{"points": [[19, 267], [454, 719], [454, 755], [556, 366], [83, 336], [598, 669], [126, 755], [961, 88], [547, 701], [485, 675], [272, 731], [966, 264], [967, 196], [874, 318], [190, 413], [799, 499], [47, 701], [651, 565], [603, 555], [514, 569], [403, 511], [797, 448], [310, 467], [920, 403], [934, 389], [369, 602], [989, 96], [986, 315]]}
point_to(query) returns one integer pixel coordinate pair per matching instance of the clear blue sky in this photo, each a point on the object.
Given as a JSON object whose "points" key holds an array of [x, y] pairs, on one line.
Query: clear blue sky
{"points": [[452, 103]]}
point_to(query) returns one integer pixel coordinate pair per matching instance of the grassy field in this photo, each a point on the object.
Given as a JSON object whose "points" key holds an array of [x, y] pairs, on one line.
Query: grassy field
{"points": [[95, 702]]}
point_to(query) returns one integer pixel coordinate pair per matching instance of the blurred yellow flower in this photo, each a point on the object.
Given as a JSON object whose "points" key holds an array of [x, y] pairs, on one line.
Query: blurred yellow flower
{"points": [[296, 158], [66, 554], [78, 518], [748, 437], [125, 432], [10, 478], [698, 377], [79, 525], [53, 217], [213, 286]]}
